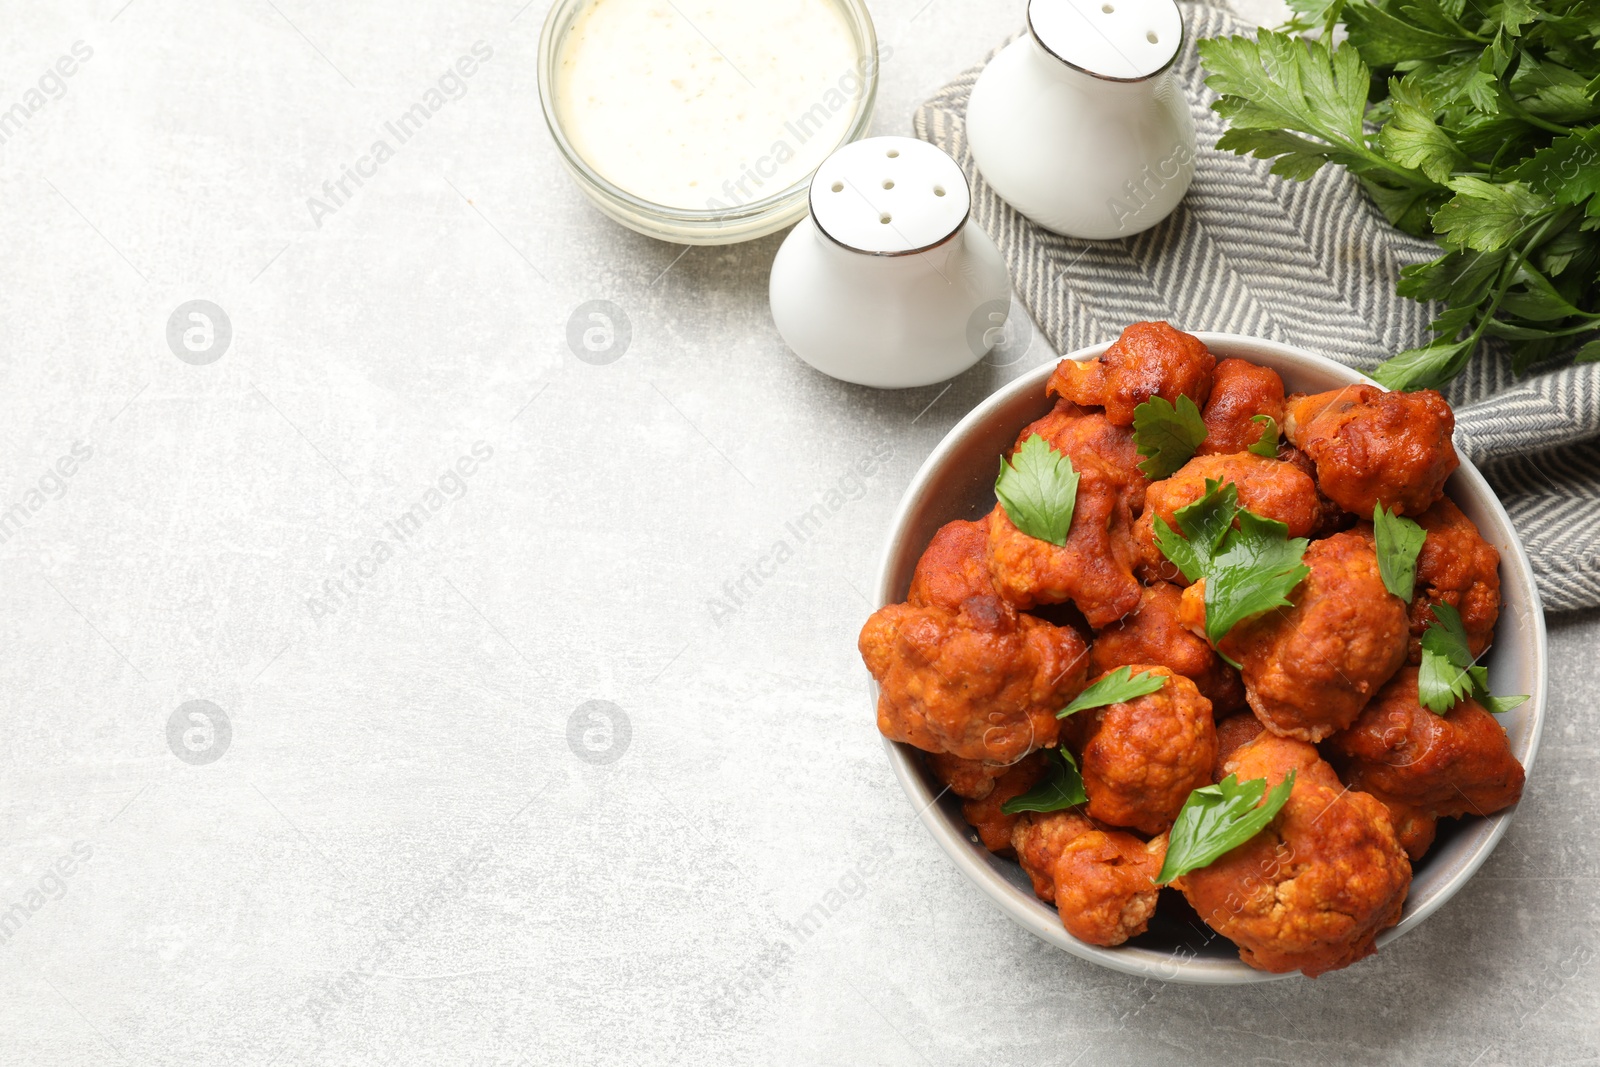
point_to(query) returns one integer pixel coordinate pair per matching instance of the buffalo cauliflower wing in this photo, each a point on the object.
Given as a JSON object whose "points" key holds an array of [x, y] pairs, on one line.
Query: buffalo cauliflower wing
{"points": [[1152, 633], [1273, 490], [1372, 446], [1233, 733], [1457, 567], [1311, 891], [1094, 569], [1458, 763], [1089, 435], [1149, 359], [973, 678], [984, 815], [1145, 756], [1240, 392], [1309, 669], [1102, 882]]}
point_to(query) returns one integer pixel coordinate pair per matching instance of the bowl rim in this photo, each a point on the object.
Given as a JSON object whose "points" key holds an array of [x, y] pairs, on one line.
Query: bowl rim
{"points": [[739, 222], [1031, 914]]}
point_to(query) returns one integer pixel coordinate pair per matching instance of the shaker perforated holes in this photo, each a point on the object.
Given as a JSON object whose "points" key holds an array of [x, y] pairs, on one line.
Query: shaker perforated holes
{"points": [[900, 195], [838, 187], [1120, 40]]}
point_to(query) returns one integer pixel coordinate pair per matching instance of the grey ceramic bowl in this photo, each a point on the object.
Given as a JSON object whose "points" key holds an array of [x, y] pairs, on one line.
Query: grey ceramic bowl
{"points": [[957, 482]]}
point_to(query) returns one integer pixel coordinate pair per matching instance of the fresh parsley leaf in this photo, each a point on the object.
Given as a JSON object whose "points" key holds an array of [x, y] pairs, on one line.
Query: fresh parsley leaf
{"points": [[1267, 444], [1399, 541], [1447, 674], [1485, 216], [1166, 435], [1442, 683], [1567, 170], [1249, 563], [1463, 277], [1183, 555], [1204, 524], [1449, 636], [1385, 38], [1263, 86], [1219, 818], [1061, 787], [1039, 490], [1538, 300], [1499, 705], [1434, 363], [1257, 569], [1118, 687], [1412, 137]]}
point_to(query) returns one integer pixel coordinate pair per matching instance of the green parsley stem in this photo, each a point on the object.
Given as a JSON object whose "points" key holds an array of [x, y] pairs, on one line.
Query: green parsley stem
{"points": [[1508, 273]]}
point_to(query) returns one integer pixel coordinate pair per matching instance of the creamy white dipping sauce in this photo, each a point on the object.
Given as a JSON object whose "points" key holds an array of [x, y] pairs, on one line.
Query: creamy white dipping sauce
{"points": [[707, 103]]}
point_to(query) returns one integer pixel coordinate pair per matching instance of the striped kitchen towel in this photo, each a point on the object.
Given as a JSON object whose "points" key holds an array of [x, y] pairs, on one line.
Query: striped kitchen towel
{"points": [[1311, 263]]}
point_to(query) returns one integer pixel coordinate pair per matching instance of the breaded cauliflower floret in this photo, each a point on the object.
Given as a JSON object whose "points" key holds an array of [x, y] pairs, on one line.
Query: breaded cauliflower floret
{"points": [[1094, 569], [1372, 446], [974, 678], [1233, 733], [1240, 391], [1101, 881], [1145, 756], [1038, 838], [1273, 490], [1313, 889], [1106, 885], [1457, 567], [1458, 763], [1309, 670], [984, 815], [1154, 634], [1149, 359], [969, 779], [1089, 435]]}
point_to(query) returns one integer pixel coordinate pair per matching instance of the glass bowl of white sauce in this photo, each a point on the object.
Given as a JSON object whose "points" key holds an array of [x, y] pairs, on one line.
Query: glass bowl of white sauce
{"points": [[702, 121]]}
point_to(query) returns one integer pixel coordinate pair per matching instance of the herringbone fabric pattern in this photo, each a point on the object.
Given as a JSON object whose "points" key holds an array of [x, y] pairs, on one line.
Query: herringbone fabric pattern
{"points": [[1314, 264]]}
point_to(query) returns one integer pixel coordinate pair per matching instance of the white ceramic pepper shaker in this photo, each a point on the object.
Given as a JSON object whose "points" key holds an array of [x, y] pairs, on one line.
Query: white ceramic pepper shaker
{"points": [[1079, 124], [888, 283]]}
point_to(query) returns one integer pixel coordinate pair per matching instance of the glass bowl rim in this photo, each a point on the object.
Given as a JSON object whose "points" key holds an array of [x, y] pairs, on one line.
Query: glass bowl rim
{"points": [[560, 18]]}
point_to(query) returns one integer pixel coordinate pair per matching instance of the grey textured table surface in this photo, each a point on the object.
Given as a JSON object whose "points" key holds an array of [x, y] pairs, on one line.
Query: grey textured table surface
{"points": [[422, 843]]}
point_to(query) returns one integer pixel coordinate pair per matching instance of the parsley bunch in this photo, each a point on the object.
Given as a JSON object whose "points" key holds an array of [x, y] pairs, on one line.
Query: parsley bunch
{"points": [[1473, 122]]}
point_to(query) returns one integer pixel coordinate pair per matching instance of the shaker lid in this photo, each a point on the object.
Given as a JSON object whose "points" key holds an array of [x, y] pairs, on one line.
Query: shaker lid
{"points": [[889, 196], [1118, 40]]}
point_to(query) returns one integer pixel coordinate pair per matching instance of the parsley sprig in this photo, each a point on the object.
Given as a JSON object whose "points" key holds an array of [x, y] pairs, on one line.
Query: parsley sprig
{"points": [[1250, 564], [1448, 675], [1477, 125], [1061, 787], [1166, 434], [1399, 541], [1219, 818], [1039, 490], [1267, 444], [1117, 687]]}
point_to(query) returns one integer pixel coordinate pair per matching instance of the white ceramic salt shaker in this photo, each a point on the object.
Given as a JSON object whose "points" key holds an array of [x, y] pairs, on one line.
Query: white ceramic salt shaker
{"points": [[887, 283], [1079, 123]]}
